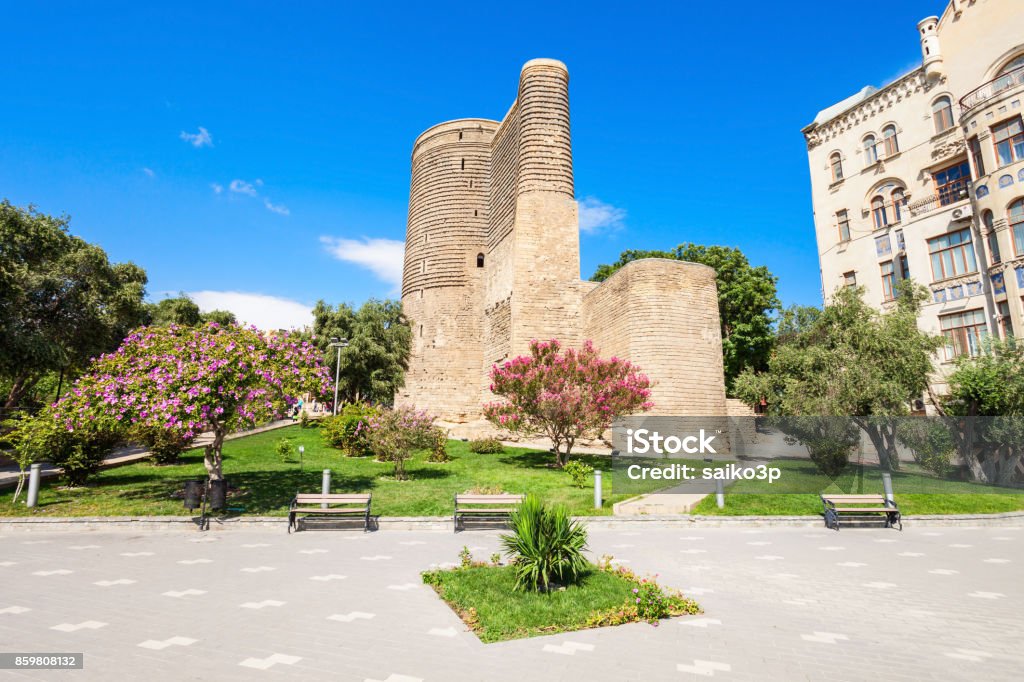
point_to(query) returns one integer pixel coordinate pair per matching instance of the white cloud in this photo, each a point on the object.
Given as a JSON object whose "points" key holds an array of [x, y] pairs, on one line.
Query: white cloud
{"points": [[243, 187], [216, 187], [276, 208], [149, 172], [197, 140], [266, 312], [382, 257], [596, 216]]}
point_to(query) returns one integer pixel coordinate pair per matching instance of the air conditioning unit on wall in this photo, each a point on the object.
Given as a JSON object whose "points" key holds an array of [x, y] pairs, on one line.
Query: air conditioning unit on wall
{"points": [[963, 212]]}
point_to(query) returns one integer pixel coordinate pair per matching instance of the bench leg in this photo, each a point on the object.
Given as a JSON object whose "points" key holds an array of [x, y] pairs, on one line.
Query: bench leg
{"points": [[366, 521], [291, 521]]}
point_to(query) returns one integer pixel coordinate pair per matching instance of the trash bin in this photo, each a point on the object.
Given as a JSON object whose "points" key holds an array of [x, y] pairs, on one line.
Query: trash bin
{"points": [[193, 494], [218, 494]]}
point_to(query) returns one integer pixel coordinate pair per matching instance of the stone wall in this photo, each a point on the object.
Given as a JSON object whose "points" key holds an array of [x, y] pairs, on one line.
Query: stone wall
{"points": [[492, 261]]}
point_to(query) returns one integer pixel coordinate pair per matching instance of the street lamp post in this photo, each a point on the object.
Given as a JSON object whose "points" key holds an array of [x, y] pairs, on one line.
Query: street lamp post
{"points": [[339, 344]]}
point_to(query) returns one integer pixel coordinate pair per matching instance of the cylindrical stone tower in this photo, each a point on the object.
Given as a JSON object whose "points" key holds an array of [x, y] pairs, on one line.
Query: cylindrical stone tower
{"points": [[442, 277]]}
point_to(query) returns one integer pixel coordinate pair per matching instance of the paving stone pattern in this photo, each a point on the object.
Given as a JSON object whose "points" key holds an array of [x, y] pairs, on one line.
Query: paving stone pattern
{"points": [[780, 604]]}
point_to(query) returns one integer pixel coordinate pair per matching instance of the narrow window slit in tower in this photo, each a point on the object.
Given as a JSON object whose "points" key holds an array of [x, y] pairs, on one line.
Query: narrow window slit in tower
{"points": [[463, 164], [474, 212], [479, 260]]}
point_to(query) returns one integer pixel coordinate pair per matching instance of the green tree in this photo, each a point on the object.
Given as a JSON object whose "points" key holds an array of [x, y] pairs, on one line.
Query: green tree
{"points": [[373, 364], [746, 299], [180, 310], [224, 318], [795, 320], [851, 361], [62, 301], [988, 390]]}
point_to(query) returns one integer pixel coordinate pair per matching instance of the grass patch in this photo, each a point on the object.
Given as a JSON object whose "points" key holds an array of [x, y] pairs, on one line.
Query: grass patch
{"points": [[266, 484], [484, 598], [917, 492]]}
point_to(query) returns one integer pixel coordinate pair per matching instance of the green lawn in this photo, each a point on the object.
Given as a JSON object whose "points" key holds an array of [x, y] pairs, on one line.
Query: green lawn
{"points": [[267, 484], [485, 598], [916, 491]]}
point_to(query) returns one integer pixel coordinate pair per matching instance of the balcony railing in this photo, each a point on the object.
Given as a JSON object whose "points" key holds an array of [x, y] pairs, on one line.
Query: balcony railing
{"points": [[945, 195], [978, 96]]}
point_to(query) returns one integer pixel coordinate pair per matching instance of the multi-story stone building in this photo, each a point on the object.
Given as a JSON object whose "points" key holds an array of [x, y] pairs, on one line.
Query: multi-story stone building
{"points": [[492, 261], [924, 179]]}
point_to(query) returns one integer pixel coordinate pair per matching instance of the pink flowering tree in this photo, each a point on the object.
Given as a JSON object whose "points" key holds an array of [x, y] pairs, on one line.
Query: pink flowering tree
{"points": [[393, 435], [187, 380], [565, 395]]}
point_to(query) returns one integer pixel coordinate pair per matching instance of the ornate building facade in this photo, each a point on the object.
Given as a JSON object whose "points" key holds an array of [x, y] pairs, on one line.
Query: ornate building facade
{"points": [[923, 179]]}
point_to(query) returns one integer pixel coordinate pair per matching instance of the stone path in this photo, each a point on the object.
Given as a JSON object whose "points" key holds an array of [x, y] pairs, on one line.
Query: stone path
{"points": [[127, 455], [780, 604]]}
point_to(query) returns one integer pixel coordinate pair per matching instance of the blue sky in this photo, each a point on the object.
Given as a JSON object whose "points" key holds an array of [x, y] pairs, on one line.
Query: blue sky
{"points": [[256, 154]]}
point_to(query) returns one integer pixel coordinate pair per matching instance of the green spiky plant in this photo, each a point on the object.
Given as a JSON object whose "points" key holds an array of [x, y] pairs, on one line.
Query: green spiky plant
{"points": [[545, 545]]}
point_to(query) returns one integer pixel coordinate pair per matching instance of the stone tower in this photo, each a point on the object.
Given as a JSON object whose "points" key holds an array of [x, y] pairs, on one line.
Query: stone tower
{"points": [[492, 262]]}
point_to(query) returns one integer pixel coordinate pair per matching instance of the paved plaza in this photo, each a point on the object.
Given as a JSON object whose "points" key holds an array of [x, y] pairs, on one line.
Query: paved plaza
{"points": [[251, 604]]}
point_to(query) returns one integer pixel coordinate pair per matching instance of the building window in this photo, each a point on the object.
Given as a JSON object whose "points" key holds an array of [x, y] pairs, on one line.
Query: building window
{"points": [[942, 114], [952, 255], [1009, 140], [836, 162], [1016, 216], [843, 217], [899, 200], [979, 164], [888, 280], [901, 242], [878, 212], [904, 267], [993, 240], [870, 150], [951, 183], [479, 260], [883, 247], [1005, 322], [964, 332], [850, 279], [892, 145]]}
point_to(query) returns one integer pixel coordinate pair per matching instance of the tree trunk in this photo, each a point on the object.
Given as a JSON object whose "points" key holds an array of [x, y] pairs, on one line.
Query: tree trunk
{"points": [[19, 388], [212, 459]]}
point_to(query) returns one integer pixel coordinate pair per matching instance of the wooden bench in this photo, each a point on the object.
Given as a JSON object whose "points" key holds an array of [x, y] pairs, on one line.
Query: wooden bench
{"points": [[860, 505], [333, 505], [484, 507]]}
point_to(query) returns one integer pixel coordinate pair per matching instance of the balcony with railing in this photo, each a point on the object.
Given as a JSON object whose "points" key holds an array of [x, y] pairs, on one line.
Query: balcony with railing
{"points": [[944, 196], [1007, 81]]}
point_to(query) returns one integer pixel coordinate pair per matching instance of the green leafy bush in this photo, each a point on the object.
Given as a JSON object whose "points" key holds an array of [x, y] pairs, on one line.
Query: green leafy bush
{"points": [[578, 472], [930, 441], [486, 446], [79, 453], [304, 421], [164, 445], [438, 439], [828, 440], [545, 545], [285, 449], [349, 430]]}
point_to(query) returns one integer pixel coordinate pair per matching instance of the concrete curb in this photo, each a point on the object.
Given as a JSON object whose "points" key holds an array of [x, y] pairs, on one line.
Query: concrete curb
{"points": [[444, 523]]}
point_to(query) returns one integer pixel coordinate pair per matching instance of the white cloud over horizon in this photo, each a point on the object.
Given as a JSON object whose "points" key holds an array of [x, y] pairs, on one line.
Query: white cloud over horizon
{"points": [[242, 187], [597, 216], [262, 310], [197, 140], [382, 257]]}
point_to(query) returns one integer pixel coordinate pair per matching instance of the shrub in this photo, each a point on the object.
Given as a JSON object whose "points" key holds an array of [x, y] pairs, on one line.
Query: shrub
{"points": [[486, 446], [349, 429], [79, 453], [285, 449], [438, 439], [930, 441], [465, 557], [164, 445], [394, 434], [828, 440], [545, 545], [578, 471], [304, 421]]}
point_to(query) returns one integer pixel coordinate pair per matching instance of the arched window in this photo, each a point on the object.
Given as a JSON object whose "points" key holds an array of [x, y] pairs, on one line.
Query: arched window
{"points": [[1014, 64], [1016, 216], [942, 114], [870, 150], [899, 200], [988, 221], [836, 162], [479, 260], [878, 212], [892, 145]]}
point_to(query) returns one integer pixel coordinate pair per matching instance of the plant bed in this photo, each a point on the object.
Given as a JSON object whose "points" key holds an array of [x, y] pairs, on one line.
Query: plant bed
{"points": [[485, 599]]}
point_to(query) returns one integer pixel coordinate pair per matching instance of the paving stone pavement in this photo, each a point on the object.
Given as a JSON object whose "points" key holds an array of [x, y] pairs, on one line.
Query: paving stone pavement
{"points": [[780, 604]]}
